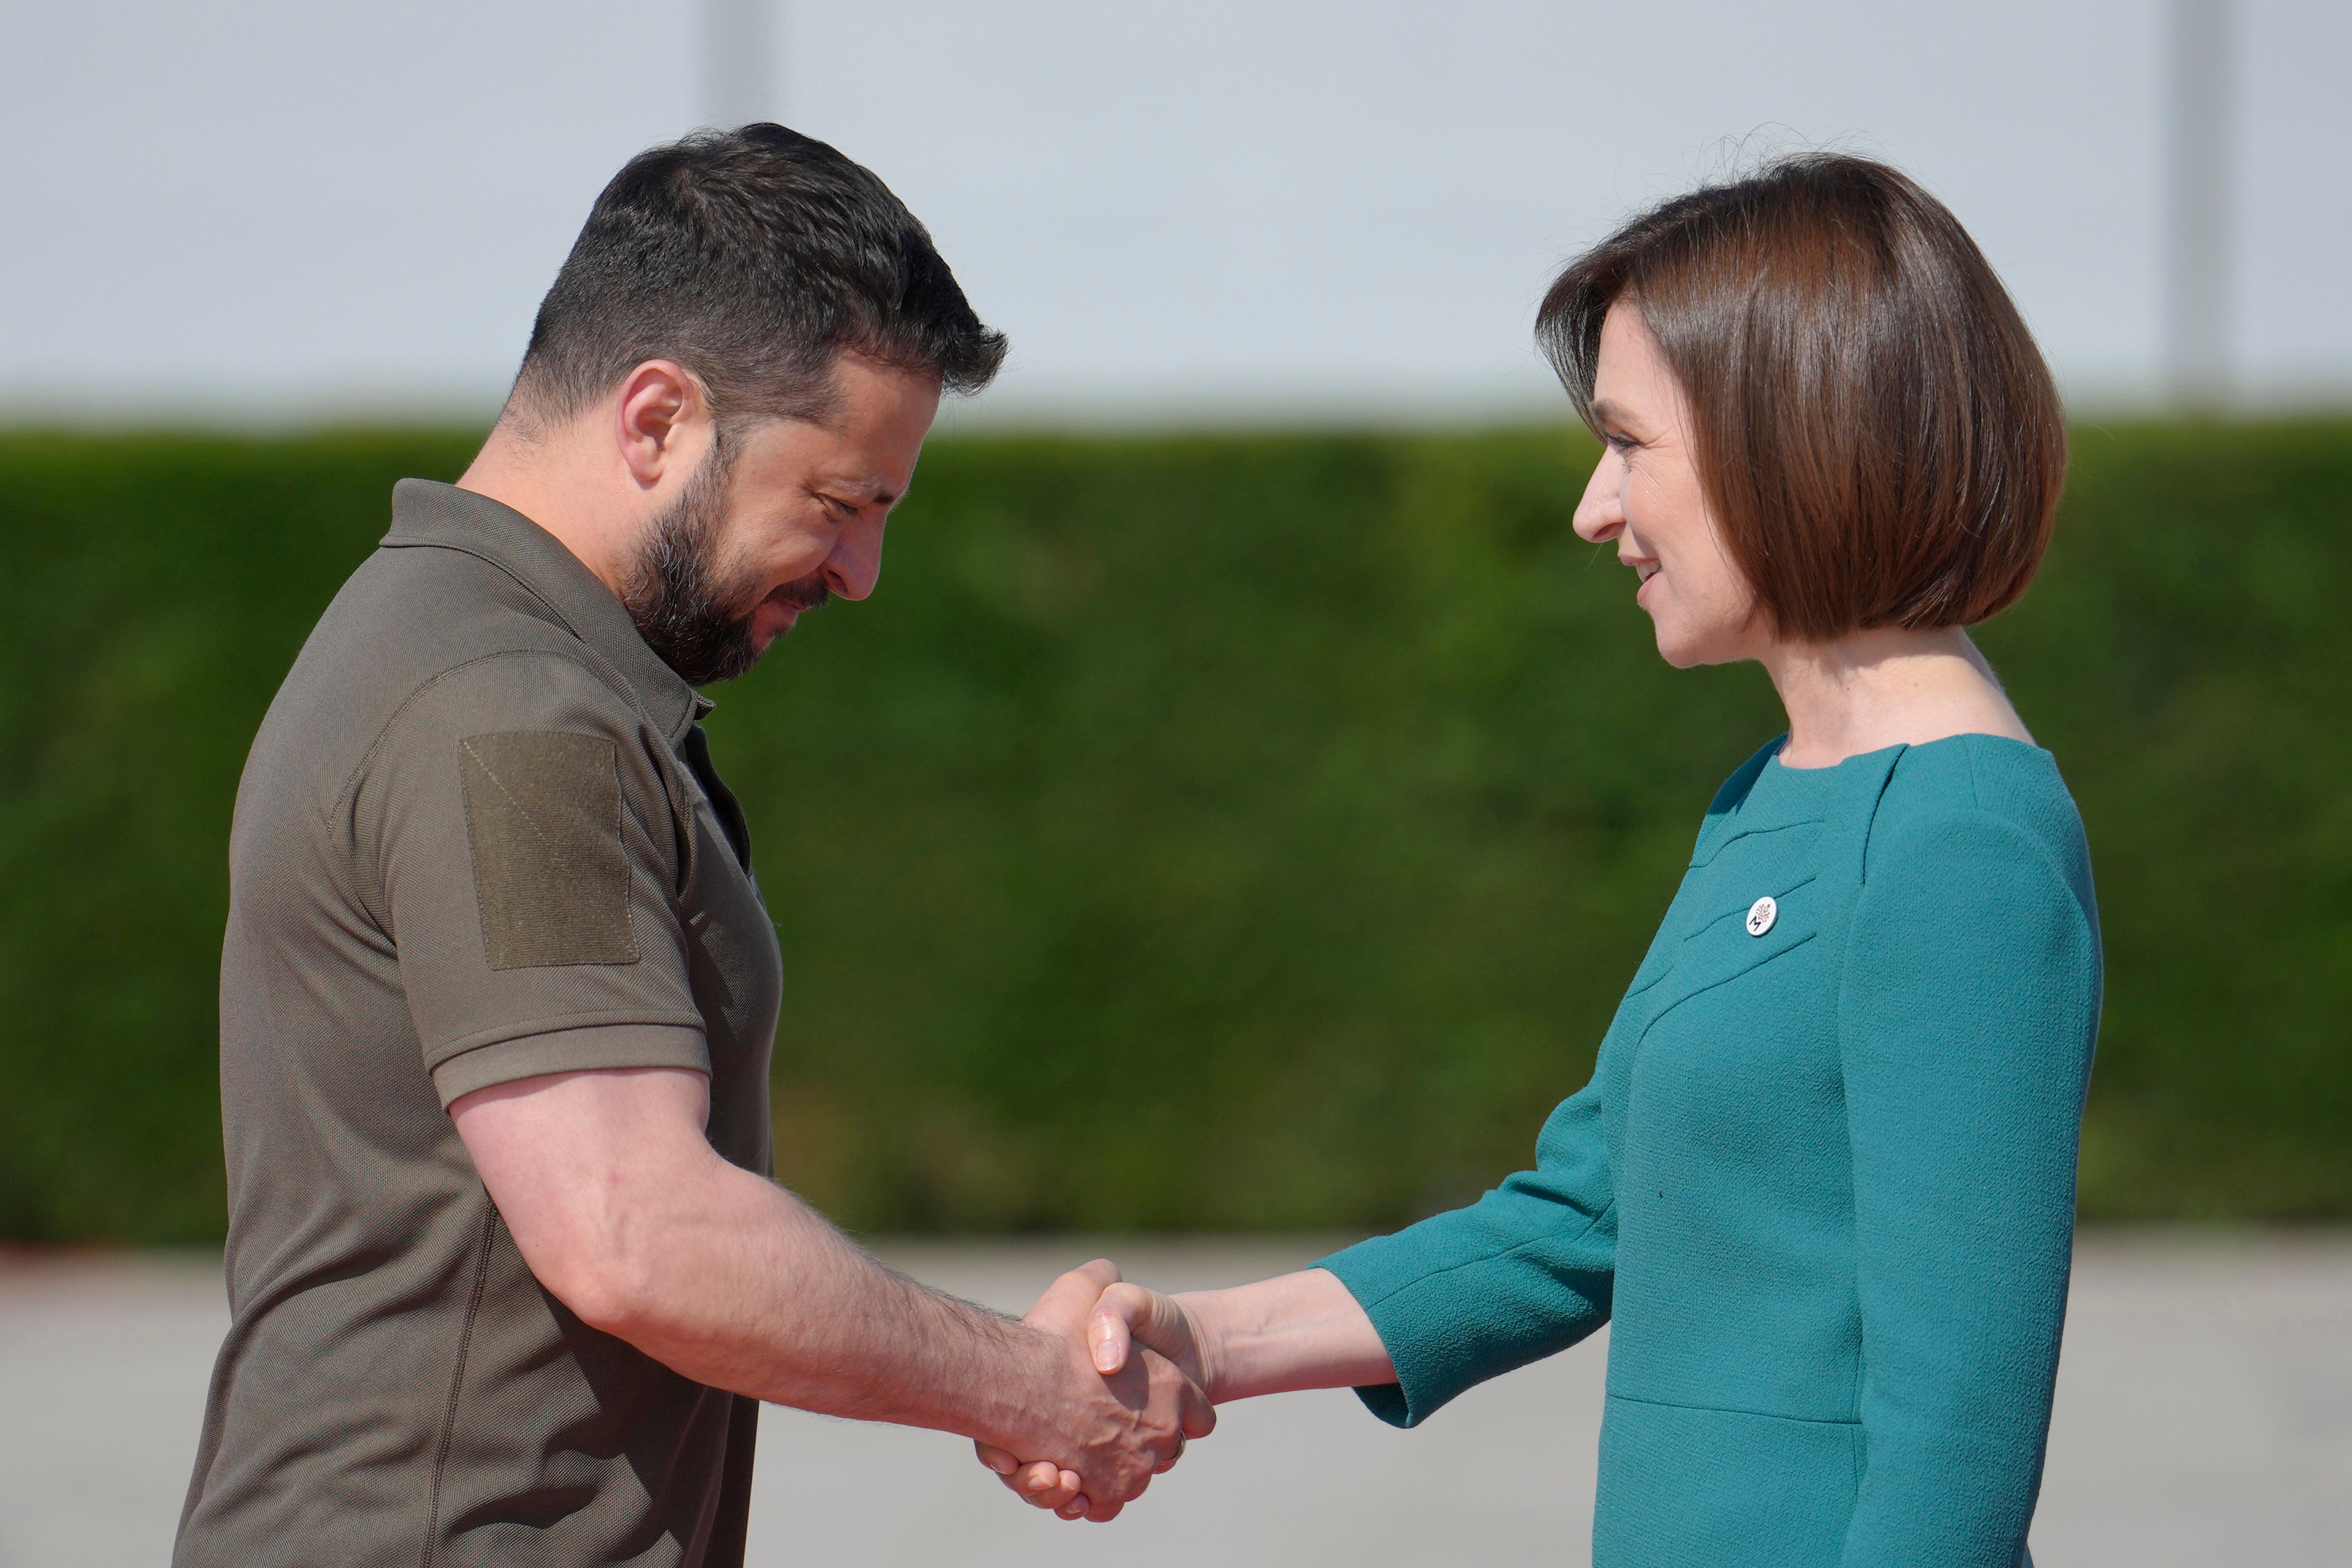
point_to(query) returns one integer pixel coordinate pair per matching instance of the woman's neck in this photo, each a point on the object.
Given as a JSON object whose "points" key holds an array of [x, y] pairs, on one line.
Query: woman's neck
{"points": [[1886, 687]]}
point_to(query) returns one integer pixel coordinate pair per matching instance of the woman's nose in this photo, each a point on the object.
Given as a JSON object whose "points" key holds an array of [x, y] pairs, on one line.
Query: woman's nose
{"points": [[1601, 515]]}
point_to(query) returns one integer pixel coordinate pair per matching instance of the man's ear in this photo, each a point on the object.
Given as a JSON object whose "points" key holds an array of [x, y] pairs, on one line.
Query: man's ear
{"points": [[661, 421]]}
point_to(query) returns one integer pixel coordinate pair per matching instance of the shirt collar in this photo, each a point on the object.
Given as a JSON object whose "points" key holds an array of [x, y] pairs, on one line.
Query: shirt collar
{"points": [[426, 513]]}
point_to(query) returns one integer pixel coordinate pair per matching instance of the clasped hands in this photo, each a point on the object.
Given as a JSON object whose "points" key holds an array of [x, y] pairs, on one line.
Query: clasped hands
{"points": [[1145, 1352]]}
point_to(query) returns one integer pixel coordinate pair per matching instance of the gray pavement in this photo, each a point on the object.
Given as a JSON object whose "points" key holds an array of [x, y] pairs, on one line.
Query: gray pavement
{"points": [[2204, 1417]]}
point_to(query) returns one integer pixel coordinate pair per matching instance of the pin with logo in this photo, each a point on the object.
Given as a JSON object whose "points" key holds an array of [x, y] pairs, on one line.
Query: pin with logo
{"points": [[1762, 914]]}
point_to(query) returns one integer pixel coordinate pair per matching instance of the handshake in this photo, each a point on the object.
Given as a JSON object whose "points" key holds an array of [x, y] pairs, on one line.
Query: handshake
{"points": [[1132, 1385], [1137, 1374]]}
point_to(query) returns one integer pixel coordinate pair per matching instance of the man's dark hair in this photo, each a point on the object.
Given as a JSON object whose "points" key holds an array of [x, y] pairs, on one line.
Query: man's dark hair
{"points": [[753, 257]]}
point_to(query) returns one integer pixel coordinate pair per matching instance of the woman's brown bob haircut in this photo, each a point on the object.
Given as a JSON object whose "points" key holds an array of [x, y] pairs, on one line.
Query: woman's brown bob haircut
{"points": [[1876, 432]]}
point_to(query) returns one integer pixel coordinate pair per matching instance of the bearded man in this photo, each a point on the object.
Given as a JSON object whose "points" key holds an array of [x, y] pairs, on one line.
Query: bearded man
{"points": [[507, 1271]]}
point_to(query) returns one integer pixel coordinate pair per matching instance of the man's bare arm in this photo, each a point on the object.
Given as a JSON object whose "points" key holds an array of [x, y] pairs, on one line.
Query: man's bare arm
{"points": [[627, 1215]]}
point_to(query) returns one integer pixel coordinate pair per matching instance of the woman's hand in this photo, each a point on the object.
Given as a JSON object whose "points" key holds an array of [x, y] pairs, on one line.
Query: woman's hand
{"points": [[1128, 1315]]}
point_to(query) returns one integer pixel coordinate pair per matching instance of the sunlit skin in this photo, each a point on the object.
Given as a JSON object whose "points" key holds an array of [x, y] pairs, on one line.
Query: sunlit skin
{"points": [[807, 504]]}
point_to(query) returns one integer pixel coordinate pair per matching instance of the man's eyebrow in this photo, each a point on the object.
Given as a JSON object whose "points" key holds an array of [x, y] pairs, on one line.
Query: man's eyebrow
{"points": [[874, 491]]}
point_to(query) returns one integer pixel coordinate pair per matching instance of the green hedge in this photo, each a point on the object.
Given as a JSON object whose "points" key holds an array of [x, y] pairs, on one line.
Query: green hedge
{"points": [[1235, 832]]}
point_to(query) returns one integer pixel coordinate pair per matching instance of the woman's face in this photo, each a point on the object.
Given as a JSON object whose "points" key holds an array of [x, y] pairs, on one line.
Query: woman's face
{"points": [[1646, 495]]}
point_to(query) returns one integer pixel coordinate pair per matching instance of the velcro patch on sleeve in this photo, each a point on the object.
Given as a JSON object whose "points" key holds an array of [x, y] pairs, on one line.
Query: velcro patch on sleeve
{"points": [[543, 817]]}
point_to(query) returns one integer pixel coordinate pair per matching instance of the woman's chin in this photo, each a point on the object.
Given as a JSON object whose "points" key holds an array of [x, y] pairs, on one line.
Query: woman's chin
{"points": [[1674, 645], [1684, 650]]}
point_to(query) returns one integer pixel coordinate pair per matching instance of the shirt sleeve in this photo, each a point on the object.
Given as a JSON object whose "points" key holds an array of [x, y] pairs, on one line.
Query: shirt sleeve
{"points": [[1524, 1273], [516, 820], [1969, 1007]]}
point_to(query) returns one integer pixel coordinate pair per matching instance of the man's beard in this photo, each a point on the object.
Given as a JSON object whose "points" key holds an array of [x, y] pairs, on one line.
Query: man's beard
{"points": [[698, 621]]}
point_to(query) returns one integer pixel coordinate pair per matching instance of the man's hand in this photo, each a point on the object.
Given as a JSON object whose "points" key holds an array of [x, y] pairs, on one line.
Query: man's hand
{"points": [[1090, 1306]]}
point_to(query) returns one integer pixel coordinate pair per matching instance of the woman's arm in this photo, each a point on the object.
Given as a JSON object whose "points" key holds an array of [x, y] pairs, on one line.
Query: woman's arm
{"points": [[1971, 998], [1409, 1321], [1277, 1336], [1524, 1272]]}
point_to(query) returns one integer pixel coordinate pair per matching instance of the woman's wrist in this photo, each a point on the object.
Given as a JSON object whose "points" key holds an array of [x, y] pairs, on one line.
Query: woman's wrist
{"points": [[1294, 1332], [1207, 1312]]}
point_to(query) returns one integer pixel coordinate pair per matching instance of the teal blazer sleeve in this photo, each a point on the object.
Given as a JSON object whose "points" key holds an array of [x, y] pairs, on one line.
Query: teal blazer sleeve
{"points": [[1969, 1006], [1522, 1273]]}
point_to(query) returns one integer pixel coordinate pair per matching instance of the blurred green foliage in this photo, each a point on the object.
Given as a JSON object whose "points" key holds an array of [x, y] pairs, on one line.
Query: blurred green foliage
{"points": [[1208, 832]]}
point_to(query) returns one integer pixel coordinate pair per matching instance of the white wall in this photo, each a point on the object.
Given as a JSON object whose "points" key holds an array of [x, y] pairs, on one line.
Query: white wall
{"points": [[1219, 209]]}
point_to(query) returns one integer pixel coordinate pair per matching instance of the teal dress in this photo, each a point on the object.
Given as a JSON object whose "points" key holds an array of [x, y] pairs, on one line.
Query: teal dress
{"points": [[1822, 1182]]}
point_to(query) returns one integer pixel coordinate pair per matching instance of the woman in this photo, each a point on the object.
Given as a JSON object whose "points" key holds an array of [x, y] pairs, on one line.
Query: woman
{"points": [[1822, 1181]]}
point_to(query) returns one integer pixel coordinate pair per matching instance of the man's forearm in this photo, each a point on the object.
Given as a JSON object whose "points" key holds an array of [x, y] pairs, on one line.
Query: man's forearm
{"points": [[623, 1210], [739, 1285]]}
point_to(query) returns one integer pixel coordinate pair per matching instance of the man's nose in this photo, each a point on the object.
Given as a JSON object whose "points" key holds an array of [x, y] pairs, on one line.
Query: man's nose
{"points": [[856, 564]]}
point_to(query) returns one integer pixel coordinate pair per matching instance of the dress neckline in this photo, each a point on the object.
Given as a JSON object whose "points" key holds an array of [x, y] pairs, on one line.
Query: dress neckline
{"points": [[1777, 766]]}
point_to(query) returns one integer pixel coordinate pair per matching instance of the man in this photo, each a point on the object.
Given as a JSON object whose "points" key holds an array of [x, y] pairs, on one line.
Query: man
{"points": [[507, 1272]]}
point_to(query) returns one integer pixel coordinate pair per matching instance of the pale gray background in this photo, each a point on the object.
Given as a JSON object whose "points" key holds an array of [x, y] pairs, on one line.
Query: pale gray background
{"points": [[1219, 210], [2204, 1420]]}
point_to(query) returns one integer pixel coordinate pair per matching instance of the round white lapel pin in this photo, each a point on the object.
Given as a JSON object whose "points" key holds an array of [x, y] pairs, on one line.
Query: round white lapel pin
{"points": [[1762, 914]]}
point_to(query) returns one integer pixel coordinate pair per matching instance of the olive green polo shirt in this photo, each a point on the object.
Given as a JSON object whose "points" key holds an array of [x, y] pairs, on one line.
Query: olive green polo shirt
{"points": [[478, 839]]}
